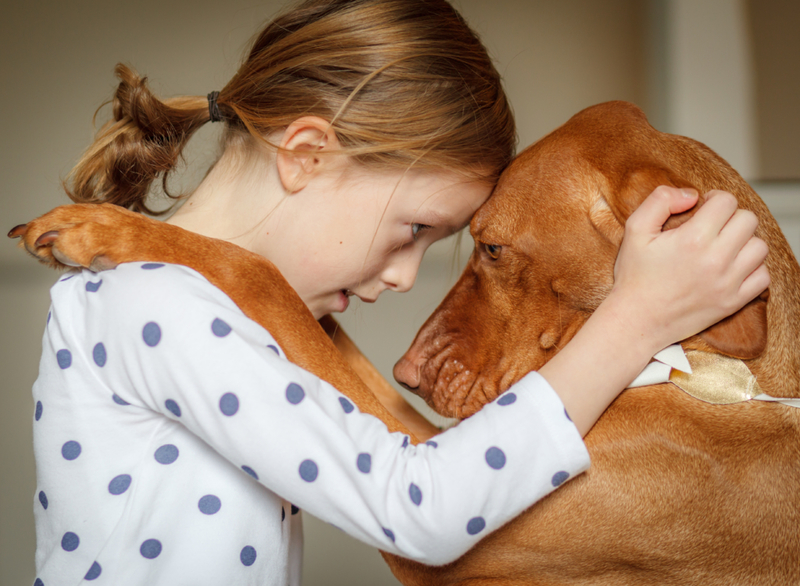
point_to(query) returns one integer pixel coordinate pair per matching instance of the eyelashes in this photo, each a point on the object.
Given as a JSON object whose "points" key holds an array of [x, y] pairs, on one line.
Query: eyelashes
{"points": [[417, 229]]}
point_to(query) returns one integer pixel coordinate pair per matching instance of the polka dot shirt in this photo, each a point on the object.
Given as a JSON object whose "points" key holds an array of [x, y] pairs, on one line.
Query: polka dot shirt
{"points": [[175, 444]]}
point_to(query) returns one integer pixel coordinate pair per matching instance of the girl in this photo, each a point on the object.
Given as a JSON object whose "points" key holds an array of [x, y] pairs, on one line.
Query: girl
{"points": [[175, 443]]}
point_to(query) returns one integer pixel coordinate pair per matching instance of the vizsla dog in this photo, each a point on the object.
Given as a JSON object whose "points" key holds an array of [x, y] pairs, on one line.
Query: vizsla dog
{"points": [[680, 491]]}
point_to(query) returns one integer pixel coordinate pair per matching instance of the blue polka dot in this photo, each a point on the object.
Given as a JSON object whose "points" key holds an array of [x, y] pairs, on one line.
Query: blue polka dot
{"points": [[415, 493], [388, 532], [308, 470], [294, 393], [93, 287], [248, 555], [229, 404], [476, 525], [38, 582], [172, 407], [166, 454], [71, 450], [506, 399], [559, 478], [405, 442], [274, 349], [220, 328], [432, 444], [38, 414], [364, 463], [150, 549], [66, 278], [70, 541], [152, 265], [347, 406], [250, 471], [49, 315], [64, 358], [567, 414], [119, 484], [295, 510], [99, 354], [43, 499], [119, 400], [495, 458], [151, 334], [94, 572], [209, 504]]}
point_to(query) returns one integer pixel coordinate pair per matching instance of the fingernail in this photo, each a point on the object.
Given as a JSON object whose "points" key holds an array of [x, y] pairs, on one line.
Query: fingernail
{"points": [[688, 192]]}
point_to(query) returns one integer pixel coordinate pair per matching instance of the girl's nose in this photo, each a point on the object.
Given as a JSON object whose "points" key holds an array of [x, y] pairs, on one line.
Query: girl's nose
{"points": [[401, 273]]}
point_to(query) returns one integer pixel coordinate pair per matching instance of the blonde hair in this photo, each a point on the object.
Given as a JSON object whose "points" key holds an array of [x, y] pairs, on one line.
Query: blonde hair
{"points": [[402, 82]]}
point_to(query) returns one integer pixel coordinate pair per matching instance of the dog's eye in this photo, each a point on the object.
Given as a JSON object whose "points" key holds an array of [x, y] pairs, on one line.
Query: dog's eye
{"points": [[493, 250]]}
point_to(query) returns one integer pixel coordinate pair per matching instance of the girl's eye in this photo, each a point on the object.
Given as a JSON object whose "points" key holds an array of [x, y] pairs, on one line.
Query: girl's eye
{"points": [[417, 228], [493, 250]]}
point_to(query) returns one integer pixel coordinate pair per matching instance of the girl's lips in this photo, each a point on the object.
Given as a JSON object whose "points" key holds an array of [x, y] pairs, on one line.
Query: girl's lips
{"points": [[344, 300]]}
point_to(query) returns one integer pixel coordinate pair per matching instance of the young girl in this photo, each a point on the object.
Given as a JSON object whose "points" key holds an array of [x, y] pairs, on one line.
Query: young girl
{"points": [[175, 442]]}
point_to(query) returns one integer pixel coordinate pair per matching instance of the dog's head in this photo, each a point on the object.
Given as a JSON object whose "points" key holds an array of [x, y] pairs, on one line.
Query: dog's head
{"points": [[545, 247]]}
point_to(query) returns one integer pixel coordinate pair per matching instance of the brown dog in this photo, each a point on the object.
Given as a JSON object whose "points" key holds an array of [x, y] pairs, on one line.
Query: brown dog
{"points": [[680, 491]]}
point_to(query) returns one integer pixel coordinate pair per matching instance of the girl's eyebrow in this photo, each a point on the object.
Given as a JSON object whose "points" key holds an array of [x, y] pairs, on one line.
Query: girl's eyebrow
{"points": [[437, 219]]}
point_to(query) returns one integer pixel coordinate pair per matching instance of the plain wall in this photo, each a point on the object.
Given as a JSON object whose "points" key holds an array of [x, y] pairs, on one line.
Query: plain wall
{"points": [[775, 26], [57, 59]]}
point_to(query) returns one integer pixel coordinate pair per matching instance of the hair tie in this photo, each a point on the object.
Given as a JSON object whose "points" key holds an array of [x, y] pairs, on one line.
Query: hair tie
{"points": [[213, 107]]}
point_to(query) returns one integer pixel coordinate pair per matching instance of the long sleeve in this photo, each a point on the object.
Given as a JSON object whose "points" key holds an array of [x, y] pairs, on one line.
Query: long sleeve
{"points": [[161, 339]]}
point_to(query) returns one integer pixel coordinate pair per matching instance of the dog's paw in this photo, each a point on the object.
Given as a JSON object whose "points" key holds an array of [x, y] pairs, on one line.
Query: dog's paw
{"points": [[80, 235]]}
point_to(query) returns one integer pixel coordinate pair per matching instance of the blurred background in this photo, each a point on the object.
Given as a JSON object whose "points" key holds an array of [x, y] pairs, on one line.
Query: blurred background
{"points": [[726, 72]]}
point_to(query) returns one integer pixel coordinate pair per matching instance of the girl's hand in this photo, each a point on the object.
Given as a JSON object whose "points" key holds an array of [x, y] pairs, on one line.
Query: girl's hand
{"points": [[668, 286], [677, 283]]}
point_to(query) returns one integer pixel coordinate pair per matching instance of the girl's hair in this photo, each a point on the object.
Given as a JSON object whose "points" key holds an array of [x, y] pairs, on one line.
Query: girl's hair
{"points": [[402, 82]]}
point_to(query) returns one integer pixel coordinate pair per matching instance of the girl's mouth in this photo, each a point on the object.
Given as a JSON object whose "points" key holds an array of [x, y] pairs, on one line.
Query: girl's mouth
{"points": [[344, 299]]}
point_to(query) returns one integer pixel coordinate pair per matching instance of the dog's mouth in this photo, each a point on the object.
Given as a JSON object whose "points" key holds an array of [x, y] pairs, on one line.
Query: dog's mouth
{"points": [[455, 388]]}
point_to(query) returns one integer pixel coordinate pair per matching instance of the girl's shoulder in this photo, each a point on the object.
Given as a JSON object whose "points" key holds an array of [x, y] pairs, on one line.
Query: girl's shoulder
{"points": [[143, 297], [131, 287]]}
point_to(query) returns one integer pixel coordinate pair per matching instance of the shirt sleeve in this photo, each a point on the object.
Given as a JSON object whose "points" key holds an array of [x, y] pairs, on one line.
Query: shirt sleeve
{"points": [[187, 352]]}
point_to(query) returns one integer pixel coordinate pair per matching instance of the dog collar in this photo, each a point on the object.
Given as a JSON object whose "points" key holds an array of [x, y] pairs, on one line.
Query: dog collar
{"points": [[707, 376]]}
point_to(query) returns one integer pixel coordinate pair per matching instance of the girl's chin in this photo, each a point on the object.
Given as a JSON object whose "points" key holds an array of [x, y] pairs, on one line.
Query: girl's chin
{"points": [[336, 303]]}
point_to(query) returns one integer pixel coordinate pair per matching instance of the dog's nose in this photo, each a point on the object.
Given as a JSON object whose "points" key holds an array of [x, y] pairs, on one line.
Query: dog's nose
{"points": [[407, 371]]}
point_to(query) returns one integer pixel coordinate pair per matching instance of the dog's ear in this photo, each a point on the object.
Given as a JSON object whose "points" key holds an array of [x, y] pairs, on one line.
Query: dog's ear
{"points": [[741, 335]]}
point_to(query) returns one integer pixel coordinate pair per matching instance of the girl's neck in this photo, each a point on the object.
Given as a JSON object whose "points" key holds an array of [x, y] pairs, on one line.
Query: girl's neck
{"points": [[233, 201]]}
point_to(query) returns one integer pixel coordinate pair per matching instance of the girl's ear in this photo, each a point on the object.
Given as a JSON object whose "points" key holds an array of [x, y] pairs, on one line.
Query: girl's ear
{"points": [[298, 157]]}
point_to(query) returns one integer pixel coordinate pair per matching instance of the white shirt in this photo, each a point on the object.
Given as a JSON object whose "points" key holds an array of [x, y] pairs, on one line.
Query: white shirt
{"points": [[174, 444]]}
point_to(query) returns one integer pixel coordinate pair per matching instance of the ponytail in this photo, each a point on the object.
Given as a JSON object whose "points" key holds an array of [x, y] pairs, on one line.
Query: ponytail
{"points": [[402, 82], [143, 141]]}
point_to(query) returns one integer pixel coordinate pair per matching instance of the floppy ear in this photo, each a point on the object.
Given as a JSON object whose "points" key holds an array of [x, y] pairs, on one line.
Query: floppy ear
{"points": [[741, 335]]}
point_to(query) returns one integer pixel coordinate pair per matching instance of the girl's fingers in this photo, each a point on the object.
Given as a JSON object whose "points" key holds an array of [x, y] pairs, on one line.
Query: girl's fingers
{"points": [[750, 257], [712, 216], [754, 284], [656, 209], [738, 232]]}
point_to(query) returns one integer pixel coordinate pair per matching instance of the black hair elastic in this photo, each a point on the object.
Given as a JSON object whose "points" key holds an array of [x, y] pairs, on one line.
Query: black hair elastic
{"points": [[213, 107]]}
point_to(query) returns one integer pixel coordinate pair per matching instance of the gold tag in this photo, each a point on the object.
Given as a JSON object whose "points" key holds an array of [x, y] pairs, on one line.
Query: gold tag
{"points": [[716, 379]]}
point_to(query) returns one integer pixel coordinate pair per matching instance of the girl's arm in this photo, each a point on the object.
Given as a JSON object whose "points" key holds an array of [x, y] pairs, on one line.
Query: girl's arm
{"points": [[179, 354], [668, 286]]}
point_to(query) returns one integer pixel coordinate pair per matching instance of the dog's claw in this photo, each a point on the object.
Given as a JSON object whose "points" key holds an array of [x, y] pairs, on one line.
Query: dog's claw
{"points": [[46, 239], [18, 231]]}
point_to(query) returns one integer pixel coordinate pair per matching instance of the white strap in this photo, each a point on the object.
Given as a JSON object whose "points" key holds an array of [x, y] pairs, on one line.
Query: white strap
{"points": [[789, 402]]}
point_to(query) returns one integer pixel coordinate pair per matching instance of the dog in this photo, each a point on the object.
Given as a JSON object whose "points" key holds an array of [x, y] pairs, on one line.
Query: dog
{"points": [[680, 491]]}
